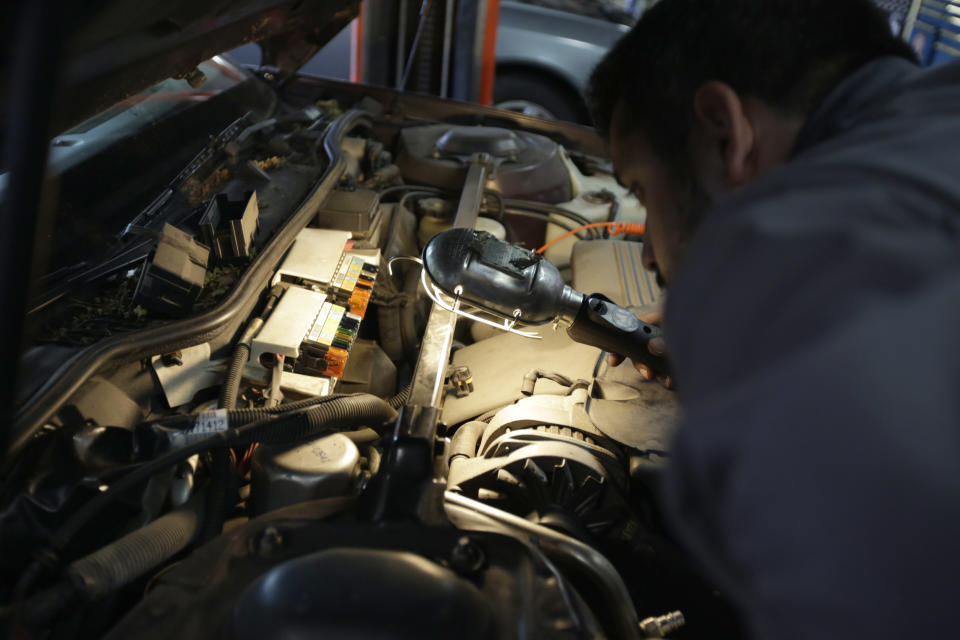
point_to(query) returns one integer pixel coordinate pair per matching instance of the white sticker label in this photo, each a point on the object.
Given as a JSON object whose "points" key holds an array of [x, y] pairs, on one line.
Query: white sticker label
{"points": [[207, 423]]}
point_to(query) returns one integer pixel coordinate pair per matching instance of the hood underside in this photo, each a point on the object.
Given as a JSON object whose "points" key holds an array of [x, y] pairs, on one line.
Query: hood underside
{"points": [[112, 50]]}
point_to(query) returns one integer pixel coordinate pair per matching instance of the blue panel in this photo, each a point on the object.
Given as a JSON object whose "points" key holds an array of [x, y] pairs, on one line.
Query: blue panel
{"points": [[943, 55], [922, 40], [938, 15]]}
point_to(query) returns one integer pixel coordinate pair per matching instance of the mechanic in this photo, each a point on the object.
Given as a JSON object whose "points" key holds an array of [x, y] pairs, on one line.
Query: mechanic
{"points": [[802, 183]]}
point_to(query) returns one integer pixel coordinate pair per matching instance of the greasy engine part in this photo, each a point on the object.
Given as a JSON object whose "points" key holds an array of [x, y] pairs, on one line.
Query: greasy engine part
{"points": [[523, 288], [527, 166], [542, 467], [282, 475], [324, 579], [543, 460]]}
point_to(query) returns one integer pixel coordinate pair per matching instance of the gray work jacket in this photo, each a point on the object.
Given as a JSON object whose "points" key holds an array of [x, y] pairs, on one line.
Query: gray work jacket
{"points": [[814, 328]]}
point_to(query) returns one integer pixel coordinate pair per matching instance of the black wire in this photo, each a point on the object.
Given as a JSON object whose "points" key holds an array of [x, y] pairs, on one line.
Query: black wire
{"points": [[546, 218], [419, 193], [501, 208], [407, 187], [541, 207], [223, 438], [504, 206]]}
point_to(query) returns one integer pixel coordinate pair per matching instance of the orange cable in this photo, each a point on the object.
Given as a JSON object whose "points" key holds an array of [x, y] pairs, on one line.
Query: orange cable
{"points": [[616, 228]]}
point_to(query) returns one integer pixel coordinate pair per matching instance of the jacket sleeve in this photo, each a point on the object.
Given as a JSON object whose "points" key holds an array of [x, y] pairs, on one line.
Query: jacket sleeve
{"points": [[815, 341]]}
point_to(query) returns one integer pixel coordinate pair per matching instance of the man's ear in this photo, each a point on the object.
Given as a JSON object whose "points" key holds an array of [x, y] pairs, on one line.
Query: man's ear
{"points": [[727, 130]]}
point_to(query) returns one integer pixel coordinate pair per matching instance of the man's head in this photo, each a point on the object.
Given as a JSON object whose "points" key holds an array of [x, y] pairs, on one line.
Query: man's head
{"points": [[703, 96]]}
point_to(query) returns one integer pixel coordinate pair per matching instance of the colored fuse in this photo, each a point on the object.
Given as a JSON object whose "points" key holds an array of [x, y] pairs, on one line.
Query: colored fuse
{"points": [[360, 295], [336, 355], [330, 329], [335, 359], [358, 305], [315, 331], [333, 332], [334, 370], [325, 327]]}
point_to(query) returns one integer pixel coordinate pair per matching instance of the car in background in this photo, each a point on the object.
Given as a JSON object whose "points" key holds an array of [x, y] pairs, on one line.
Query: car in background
{"points": [[546, 52]]}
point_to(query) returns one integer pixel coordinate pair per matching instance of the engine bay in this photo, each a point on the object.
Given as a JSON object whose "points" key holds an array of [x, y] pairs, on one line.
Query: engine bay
{"points": [[248, 416]]}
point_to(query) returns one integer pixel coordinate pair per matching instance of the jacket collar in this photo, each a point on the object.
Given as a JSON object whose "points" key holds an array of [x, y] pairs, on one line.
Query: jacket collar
{"points": [[869, 86]]}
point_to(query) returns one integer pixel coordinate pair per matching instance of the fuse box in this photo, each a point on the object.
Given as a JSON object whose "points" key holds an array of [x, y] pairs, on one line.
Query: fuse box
{"points": [[316, 322], [326, 346]]}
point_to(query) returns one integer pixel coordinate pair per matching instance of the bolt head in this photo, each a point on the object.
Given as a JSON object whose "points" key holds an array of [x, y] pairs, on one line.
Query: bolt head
{"points": [[269, 543], [467, 556]]}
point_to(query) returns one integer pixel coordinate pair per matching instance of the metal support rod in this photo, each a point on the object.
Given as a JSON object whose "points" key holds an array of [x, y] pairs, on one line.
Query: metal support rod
{"points": [[447, 48], [401, 42], [426, 389], [472, 194]]}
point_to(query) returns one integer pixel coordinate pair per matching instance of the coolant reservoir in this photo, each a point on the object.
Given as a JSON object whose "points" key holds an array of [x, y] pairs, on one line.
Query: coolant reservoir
{"points": [[429, 227], [437, 216]]}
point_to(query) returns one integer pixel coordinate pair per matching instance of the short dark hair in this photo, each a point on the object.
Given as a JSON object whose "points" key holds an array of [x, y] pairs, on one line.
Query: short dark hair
{"points": [[788, 53]]}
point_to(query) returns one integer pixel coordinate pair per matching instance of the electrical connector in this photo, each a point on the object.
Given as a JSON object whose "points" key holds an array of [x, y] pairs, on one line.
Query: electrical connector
{"points": [[660, 626], [228, 226], [173, 275]]}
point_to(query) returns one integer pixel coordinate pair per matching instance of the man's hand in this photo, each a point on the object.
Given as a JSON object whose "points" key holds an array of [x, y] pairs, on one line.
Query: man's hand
{"points": [[657, 346]]}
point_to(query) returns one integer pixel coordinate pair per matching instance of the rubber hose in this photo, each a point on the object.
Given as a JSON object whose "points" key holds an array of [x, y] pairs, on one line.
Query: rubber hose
{"points": [[400, 399], [362, 436], [542, 207], [563, 224], [530, 380], [465, 440], [220, 467], [218, 495], [241, 353], [241, 417], [350, 411], [231, 385], [115, 565], [342, 411]]}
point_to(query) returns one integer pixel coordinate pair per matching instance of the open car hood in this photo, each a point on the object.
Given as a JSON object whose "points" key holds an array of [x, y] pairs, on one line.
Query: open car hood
{"points": [[117, 48]]}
